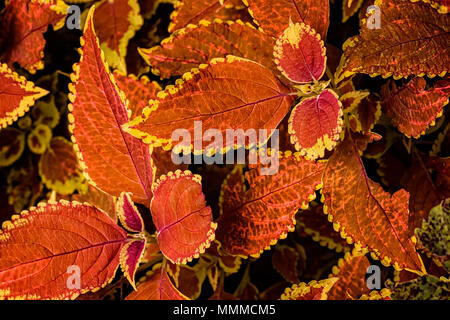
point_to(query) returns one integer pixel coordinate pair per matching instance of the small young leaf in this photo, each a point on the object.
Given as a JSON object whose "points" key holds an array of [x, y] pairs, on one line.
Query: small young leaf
{"points": [[128, 214], [315, 124], [130, 256], [300, 54]]}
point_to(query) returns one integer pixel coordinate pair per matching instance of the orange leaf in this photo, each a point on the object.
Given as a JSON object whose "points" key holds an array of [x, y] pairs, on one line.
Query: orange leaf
{"points": [[364, 213], [117, 22], [193, 11], [98, 199], [412, 107], [58, 167], [273, 16], [351, 271], [157, 286], [113, 160], [397, 48], [315, 124], [187, 48], [300, 54], [182, 219], [256, 218], [315, 290], [138, 91], [17, 95], [42, 247], [22, 27], [232, 93]]}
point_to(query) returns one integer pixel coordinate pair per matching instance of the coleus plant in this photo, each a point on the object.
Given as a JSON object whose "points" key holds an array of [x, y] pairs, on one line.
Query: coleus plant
{"points": [[251, 64]]}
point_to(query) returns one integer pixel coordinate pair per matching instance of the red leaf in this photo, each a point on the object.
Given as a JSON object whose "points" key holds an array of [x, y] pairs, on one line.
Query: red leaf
{"points": [[364, 213], [138, 91], [117, 22], [157, 286], [256, 218], [315, 124], [273, 16], [412, 107], [397, 48], [284, 260], [311, 291], [58, 167], [230, 94], [39, 246], [130, 257], [128, 214], [179, 211], [17, 95], [113, 160], [193, 11], [300, 54], [187, 48], [22, 25], [351, 271], [98, 199]]}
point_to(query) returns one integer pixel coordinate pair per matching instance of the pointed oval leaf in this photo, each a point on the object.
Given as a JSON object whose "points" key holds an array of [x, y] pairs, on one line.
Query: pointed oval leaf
{"points": [[315, 124], [130, 257], [315, 290], [273, 16], [22, 27], [397, 48], [128, 214], [17, 95], [113, 160], [186, 49], [117, 22], [413, 108], [156, 286], [193, 11], [232, 93], [265, 213], [364, 213], [43, 250], [12, 144], [59, 169], [182, 219], [300, 54]]}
